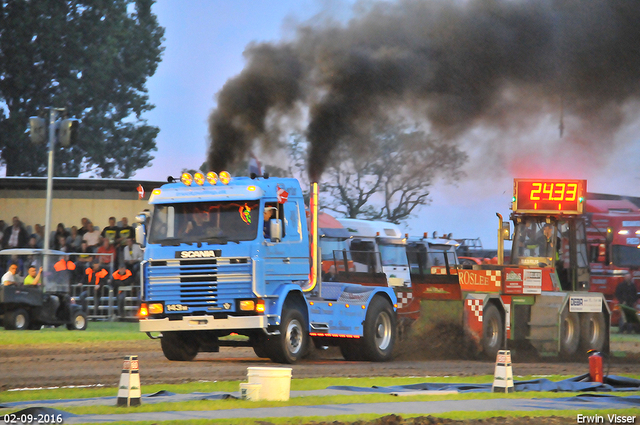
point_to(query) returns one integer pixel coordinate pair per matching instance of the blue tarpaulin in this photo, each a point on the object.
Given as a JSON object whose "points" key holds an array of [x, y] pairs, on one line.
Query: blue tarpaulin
{"points": [[575, 384]]}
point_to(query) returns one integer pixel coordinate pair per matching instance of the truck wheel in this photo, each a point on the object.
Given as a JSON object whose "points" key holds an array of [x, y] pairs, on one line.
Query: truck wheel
{"points": [[16, 320], [259, 344], [290, 345], [78, 321], [569, 333], [178, 347], [379, 331], [351, 351], [492, 331], [592, 332]]}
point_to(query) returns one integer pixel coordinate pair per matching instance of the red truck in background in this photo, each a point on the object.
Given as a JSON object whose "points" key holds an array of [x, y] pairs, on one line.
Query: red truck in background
{"points": [[613, 236]]}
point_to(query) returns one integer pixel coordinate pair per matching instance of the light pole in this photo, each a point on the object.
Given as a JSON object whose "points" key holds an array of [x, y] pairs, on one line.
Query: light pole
{"points": [[67, 130]]}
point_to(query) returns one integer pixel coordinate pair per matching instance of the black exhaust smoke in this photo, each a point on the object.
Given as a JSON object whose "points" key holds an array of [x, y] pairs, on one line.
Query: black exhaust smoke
{"points": [[454, 65]]}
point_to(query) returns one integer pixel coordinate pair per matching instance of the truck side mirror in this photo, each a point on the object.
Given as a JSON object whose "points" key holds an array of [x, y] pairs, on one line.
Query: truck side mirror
{"points": [[275, 227], [141, 230]]}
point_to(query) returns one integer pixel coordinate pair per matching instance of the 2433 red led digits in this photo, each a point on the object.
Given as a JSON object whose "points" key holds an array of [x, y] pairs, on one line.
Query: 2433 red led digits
{"points": [[549, 196]]}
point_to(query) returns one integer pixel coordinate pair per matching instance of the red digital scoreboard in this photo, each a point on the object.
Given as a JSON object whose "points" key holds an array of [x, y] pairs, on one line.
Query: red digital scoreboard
{"points": [[549, 196]]}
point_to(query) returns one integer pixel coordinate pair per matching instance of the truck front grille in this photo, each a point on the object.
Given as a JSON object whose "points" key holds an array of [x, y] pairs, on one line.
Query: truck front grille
{"points": [[200, 284]]}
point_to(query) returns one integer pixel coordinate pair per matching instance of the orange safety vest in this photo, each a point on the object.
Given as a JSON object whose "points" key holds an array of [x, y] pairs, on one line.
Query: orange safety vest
{"points": [[62, 265], [118, 276], [99, 275]]}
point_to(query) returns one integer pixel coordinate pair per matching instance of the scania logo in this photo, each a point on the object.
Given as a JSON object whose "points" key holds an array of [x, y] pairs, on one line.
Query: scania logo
{"points": [[226, 306], [196, 254]]}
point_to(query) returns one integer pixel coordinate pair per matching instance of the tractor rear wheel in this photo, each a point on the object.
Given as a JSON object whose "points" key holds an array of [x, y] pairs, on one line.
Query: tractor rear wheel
{"points": [[569, 333], [492, 331], [592, 332]]}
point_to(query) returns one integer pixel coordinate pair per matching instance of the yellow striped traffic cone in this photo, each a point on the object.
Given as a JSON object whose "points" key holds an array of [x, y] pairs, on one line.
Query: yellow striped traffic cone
{"points": [[129, 388], [503, 376]]}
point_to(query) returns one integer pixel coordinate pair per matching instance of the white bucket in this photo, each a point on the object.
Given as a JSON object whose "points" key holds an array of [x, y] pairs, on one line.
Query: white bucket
{"points": [[275, 382], [250, 391]]}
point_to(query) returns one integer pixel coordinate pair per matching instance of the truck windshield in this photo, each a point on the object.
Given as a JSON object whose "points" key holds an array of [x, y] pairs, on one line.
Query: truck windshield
{"points": [[331, 246], [212, 222], [534, 243], [626, 256], [393, 255]]}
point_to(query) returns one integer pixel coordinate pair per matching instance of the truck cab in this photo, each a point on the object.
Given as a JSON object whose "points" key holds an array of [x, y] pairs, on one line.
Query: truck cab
{"points": [[378, 247], [233, 255]]}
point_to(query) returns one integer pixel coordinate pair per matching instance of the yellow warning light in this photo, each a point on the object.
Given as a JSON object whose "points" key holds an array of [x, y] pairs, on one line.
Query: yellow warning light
{"points": [[225, 177], [199, 178], [186, 179], [212, 178], [251, 188], [156, 191]]}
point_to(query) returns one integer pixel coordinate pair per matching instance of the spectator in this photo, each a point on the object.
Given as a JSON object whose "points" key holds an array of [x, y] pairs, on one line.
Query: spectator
{"points": [[85, 225], [10, 277], [106, 248], [125, 232], [84, 260], [33, 278], [111, 231], [92, 236], [132, 256], [627, 295], [15, 236], [38, 233], [33, 244], [60, 231], [121, 277], [61, 244], [94, 280], [74, 240], [2, 226]]}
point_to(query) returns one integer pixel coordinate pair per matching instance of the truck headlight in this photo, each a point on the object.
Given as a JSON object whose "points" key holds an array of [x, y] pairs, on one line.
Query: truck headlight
{"points": [[156, 308], [247, 305]]}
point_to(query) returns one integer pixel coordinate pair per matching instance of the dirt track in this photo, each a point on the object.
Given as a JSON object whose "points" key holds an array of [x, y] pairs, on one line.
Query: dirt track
{"points": [[101, 363]]}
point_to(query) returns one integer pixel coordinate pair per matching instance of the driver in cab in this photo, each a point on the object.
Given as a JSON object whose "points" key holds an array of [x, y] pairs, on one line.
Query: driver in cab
{"points": [[196, 226]]}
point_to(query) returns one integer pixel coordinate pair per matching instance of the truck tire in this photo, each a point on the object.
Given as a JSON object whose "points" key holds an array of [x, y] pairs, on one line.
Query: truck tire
{"points": [[78, 321], [351, 351], [290, 345], [592, 332], [569, 333], [178, 347], [259, 344], [492, 331], [380, 331], [17, 319]]}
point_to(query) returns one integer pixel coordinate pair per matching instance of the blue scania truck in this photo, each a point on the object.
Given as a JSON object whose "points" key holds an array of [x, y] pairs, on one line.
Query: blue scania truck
{"points": [[235, 255]]}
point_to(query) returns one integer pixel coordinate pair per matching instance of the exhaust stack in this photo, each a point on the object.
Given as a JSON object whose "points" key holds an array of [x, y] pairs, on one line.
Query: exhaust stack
{"points": [[313, 238]]}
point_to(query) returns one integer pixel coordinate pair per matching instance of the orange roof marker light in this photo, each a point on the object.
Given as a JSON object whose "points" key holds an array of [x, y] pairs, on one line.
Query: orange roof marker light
{"points": [[186, 179], [199, 178], [212, 178], [225, 177]]}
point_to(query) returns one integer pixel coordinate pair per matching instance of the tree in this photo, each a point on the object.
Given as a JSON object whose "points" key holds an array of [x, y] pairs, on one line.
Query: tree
{"points": [[386, 174], [93, 58]]}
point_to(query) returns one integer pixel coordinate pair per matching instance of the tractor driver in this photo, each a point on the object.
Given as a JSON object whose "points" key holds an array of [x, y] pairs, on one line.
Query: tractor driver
{"points": [[545, 242]]}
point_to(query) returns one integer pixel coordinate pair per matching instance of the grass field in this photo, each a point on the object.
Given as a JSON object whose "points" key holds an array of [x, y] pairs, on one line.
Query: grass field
{"points": [[96, 332], [114, 331]]}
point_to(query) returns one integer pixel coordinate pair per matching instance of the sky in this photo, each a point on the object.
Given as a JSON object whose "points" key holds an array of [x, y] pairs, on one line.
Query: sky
{"points": [[204, 44]]}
